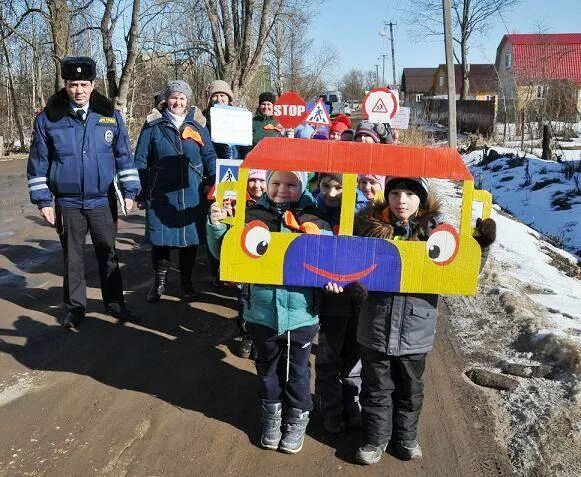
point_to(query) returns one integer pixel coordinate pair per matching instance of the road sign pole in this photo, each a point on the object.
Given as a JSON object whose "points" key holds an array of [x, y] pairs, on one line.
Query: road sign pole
{"points": [[452, 133]]}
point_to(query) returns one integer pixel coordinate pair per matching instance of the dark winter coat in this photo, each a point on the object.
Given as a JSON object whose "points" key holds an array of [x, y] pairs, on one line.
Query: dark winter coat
{"points": [[76, 161], [259, 121], [171, 170], [396, 323]]}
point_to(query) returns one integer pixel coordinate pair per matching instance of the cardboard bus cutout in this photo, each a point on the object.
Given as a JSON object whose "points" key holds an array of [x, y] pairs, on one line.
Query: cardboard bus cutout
{"points": [[447, 263]]}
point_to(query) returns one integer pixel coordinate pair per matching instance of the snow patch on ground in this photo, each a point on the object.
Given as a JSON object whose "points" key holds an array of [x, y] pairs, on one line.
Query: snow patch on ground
{"points": [[526, 311]]}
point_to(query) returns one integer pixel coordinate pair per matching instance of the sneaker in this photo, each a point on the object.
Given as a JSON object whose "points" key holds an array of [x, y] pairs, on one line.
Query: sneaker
{"points": [[271, 421], [368, 454], [295, 426], [408, 450]]}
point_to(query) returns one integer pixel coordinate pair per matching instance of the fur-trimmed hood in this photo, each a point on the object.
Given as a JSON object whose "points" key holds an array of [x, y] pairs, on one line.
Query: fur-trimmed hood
{"points": [[377, 221], [59, 105], [193, 114]]}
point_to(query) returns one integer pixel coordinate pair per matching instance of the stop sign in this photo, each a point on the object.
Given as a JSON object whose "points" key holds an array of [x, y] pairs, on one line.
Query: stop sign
{"points": [[290, 110]]}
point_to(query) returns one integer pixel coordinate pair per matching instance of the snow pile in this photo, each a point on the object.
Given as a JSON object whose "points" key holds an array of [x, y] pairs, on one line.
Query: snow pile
{"points": [[546, 195], [527, 311]]}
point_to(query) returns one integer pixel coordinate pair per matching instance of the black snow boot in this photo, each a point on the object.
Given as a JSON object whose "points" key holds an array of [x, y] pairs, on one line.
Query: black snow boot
{"points": [[159, 282], [271, 421], [295, 426]]}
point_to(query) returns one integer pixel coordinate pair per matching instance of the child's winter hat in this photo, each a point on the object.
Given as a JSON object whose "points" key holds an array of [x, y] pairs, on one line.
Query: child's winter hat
{"points": [[322, 132], [380, 179], [348, 135], [418, 185], [338, 126], [343, 118], [331, 175], [257, 174], [301, 176], [368, 129], [304, 131], [267, 96]]}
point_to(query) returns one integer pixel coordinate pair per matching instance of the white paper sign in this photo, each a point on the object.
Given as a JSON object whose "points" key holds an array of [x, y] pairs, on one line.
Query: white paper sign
{"points": [[231, 125], [401, 120]]}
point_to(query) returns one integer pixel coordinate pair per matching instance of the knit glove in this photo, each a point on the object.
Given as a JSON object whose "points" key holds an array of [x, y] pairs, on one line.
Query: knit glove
{"points": [[485, 232]]}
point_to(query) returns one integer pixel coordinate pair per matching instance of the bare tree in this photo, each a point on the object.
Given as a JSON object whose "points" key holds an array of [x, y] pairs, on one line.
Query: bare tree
{"points": [[471, 17], [240, 29], [353, 84]]}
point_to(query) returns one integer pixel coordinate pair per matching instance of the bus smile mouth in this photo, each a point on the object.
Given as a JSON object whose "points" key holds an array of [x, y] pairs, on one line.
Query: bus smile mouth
{"points": [[337, 277]]}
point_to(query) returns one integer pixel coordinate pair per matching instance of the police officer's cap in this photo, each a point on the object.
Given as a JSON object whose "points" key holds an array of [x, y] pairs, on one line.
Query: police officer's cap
{"points": [[78, 68]]}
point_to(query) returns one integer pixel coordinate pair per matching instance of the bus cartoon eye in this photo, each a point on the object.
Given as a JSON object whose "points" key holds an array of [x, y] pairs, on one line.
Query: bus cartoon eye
{"points": [[255, 239], [442, 245]]}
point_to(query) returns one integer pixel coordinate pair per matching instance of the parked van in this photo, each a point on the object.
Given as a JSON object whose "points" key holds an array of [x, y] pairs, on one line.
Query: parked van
{"points": [[335, 101]]}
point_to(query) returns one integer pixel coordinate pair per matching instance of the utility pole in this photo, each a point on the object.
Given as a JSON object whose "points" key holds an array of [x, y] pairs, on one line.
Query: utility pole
{"points": [[383, 55], [452, 133], [376, 75], [382, 33]]}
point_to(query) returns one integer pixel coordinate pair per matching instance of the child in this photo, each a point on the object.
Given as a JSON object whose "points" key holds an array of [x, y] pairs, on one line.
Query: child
{"points": [[371, 186], [397, 330], [282, 320], [337, 364], [256, 186]]}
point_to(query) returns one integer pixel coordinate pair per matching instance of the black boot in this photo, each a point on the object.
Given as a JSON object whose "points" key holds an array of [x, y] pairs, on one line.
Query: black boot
{"points": [[159, 281], [187, 292]]}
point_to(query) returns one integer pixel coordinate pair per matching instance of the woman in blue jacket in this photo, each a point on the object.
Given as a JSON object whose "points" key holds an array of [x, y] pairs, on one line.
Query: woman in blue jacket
{"points": [[174, 153]]}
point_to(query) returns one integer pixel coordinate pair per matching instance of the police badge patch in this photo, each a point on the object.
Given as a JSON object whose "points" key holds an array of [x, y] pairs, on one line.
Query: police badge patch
{"points": [[109, 136]]}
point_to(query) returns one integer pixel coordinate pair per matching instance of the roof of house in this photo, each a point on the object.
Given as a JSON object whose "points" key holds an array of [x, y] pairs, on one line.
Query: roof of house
{"points": [[545, 56], [482, 77], [314, 155], [417, 80]]}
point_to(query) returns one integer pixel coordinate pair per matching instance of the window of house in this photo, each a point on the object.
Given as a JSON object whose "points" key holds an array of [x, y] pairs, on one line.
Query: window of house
{"points": [[441, 80], [419, 98], [507, 60]]}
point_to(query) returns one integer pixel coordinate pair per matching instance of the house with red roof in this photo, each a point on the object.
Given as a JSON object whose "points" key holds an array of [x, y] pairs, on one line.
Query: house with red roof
{"points": [[540, 71]]}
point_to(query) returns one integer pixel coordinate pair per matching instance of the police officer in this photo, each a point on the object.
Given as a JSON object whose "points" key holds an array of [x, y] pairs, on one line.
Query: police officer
{"points": [[79, 145]]}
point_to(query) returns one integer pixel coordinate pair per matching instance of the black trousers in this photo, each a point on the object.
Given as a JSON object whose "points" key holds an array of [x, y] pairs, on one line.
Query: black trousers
{"points": [[72, 226], [272, 353], [187, 259], [392, 395], [337, 365]]}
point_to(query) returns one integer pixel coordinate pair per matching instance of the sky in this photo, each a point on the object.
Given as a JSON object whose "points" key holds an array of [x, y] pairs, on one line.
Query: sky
{"points": [[352, 28]]}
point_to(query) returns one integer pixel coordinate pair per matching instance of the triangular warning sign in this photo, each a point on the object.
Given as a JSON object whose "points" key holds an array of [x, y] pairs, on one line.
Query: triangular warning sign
{"points": [[228, 176], [379, 107], [319, 115]]}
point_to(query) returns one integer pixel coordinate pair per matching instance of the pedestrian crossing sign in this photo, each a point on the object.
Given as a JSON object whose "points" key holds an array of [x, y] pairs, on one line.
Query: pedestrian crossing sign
{"points": [[227, 170], [379, 107], [319, 115]]}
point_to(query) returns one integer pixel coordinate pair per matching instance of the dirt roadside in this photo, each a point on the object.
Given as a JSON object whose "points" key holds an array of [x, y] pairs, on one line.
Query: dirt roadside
{"points": [[168, 397]]}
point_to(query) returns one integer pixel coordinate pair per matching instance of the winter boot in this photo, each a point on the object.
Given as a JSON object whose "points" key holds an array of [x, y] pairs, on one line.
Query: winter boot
{"points": [[408, 450], [245, 346], [159, 282], [369, 454], [295, 426], [271, 421]]}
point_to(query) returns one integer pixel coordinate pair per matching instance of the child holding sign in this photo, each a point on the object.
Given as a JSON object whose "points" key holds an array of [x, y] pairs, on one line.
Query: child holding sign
{"points": [[282, 320], [397, 330]]}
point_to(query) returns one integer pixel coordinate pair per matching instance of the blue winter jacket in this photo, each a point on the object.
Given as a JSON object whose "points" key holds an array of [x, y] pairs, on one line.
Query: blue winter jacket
{"points": [[171, 168], [76, 162]]}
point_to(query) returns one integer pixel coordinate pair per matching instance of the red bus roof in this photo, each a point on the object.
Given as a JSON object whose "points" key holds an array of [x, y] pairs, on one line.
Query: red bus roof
{"points": [[312, 155]]}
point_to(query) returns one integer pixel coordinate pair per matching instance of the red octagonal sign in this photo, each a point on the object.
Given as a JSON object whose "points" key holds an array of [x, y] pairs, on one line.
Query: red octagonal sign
{"points": [[290, 110]]}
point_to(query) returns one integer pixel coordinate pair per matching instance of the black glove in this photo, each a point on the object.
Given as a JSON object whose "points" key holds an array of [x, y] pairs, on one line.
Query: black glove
{"points": [[486, 232], [356, 292]]}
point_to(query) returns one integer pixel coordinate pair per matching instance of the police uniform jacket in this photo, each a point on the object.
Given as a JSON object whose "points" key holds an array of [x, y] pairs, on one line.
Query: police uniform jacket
{"points": [[172, 164], [76, 162]]}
